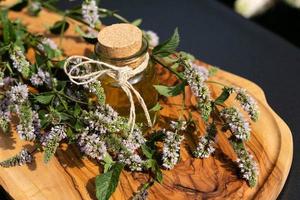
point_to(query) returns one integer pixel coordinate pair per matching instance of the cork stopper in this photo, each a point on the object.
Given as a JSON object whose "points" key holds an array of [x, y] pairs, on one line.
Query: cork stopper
{"points": [[120, 40]]}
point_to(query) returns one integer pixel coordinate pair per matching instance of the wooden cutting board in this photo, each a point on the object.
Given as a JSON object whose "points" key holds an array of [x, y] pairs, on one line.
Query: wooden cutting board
{"points": [[68, 176]]}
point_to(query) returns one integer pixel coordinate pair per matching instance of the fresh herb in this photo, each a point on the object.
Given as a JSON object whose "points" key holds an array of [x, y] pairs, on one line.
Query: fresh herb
{"points": [[168, 47], [107, 182], [51, 110], [170, 91]]}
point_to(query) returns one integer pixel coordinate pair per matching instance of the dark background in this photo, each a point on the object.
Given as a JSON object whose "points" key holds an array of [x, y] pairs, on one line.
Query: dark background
{"points": [[282, 19], [255, 50]]}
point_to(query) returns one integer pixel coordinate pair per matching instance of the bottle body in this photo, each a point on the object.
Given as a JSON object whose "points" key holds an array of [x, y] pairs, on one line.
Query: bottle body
{"points": [[142, 82]]}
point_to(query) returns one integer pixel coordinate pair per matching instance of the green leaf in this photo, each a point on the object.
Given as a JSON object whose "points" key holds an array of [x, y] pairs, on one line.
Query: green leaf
{"points": [[147, 151], [64, 116], [40, 59], [154, 167], [7, 28], [212, 70], [156, 108], [223, 96], [60, 64], [137, 22], [44, 99], [170, 91], [168, 47], [19, 5], [54, 116], [77, 110], [186, 56], [44, 120], [4, 49], [175, 66], [19, 32], [59, 26], [70, 135], [78, 125], [107, 183], [86, 37], [108, 162], [34, 8], [51, 53], [63, 101]]}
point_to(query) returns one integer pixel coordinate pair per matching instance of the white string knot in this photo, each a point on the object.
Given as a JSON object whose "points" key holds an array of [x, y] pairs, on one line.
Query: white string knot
{"points": [[120, 74], [123, 75]]}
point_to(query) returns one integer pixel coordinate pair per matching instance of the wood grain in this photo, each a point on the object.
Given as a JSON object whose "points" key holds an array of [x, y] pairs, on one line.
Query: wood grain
{"points": [[70, 176]]}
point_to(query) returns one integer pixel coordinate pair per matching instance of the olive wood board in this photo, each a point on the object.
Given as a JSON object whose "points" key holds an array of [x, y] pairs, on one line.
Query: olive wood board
{"points": [[69, 176]]}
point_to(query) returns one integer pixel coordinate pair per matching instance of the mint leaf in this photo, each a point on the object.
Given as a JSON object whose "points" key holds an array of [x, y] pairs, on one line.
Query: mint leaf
{"points": [[107, 183], [77, 110], [87, 37], [212, 70], [187, 56], [44, 120], [8, 32], [59, 26], [154, 167], [156, 108], [51, 53], [44, 99], [170, 91], [168, 47], [223, 96], [64, 116], [4, 49], [60, 64], [137, 22], [19, 5], [147, 151], [71, 135], [107, 162], [79, 125]]}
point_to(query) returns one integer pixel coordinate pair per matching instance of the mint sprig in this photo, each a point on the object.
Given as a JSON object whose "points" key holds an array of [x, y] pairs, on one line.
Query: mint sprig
{"points": [[168, 47], [107, 183]]}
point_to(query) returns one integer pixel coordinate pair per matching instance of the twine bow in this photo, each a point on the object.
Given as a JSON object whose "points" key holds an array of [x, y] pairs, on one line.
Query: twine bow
{"points": [[120, 74]]}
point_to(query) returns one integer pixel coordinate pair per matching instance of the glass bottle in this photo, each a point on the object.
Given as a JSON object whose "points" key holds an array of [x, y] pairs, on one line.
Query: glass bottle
{"points": [[142, 82]]}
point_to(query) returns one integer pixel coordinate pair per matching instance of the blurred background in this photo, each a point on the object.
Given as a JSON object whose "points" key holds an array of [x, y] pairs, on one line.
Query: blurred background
{"points": [[279, 16], [282, 17]]}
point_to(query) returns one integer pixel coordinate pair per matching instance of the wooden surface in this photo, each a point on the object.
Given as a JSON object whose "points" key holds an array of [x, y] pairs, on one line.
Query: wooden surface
{"points": [[71, 177]]}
